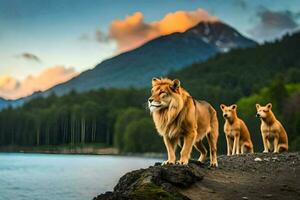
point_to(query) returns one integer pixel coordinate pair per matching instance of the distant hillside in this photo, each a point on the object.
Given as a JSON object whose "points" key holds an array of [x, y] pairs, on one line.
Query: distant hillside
{"points": [[4, 103], [158, 57], [228, 77]]}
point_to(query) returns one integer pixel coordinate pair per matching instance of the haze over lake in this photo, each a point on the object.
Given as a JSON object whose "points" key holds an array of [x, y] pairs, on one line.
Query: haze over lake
{"points": [[52, 176]]}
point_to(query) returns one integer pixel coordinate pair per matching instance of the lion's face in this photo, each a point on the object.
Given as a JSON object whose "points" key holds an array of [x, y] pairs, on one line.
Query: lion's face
{"points": [[228, 111], [263, 111], [162, 93]]}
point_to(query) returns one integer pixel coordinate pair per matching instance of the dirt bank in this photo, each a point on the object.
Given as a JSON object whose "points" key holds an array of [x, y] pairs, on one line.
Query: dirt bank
{"points": [[252, 176]]}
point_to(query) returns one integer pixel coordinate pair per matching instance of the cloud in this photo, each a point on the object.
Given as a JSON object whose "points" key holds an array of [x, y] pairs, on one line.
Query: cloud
{"points": [[273, 24], [29, 57], [133, 31], [11, 88], [101, 36], [98, 36]]}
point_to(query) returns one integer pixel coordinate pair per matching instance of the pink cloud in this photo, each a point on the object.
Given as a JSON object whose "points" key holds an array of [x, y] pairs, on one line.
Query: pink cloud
{"points": [[133, 31], [11, 88]]}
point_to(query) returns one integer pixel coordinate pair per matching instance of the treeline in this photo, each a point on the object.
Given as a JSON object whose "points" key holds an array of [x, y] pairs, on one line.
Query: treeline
{"points": [[119, 118], [73, 118]]}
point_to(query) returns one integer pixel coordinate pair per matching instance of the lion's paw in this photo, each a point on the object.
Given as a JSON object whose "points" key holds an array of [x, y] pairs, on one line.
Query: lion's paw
{"points": [[214, 164], [182, 162], [202, 159], [168, 162]]}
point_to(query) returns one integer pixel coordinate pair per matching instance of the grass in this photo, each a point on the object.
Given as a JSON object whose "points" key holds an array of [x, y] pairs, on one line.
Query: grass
{"points": [[151, 191]]}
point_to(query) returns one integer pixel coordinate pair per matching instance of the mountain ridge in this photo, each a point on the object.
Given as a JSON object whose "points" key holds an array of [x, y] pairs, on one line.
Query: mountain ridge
{"points": [[124, 70]]}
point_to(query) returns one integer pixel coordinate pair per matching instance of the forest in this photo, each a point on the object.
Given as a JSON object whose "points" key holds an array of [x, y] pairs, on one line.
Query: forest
{"points": [[119, 117]]}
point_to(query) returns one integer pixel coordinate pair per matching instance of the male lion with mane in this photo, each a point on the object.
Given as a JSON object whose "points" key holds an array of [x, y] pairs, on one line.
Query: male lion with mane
{"points": [[177, 115]]}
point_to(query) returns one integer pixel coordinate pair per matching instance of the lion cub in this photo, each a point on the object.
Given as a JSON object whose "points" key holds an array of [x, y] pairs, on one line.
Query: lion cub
{"points": [[272, 129], [237, 134]]}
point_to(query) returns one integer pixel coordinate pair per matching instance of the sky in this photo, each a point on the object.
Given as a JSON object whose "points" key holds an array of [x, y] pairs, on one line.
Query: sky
{"points": [[46, 42]]}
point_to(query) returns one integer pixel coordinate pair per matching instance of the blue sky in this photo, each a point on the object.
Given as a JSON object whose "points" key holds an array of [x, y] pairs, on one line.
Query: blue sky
{"points": [[59, 32]]}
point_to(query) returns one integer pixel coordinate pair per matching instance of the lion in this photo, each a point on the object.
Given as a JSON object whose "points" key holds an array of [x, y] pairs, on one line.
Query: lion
{"points": [[271, 129], [177, 115], [237, 134]]}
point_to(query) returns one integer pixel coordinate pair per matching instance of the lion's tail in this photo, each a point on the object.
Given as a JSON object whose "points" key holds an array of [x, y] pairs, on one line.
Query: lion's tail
{"points": [[180, 142], [213, 136], [214, 123]]}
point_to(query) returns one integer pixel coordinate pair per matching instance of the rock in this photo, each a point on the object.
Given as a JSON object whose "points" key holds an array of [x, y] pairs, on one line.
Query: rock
{"points": [[285, 187], [245, 198], [155, 182], [275, 159], [268, 196], [112, 196], [181, 176], [257, 159]]}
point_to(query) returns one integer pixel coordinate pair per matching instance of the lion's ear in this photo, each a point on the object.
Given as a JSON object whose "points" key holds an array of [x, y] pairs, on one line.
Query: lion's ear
{"points": [[257, 106], [234, 106], [175, 84], [154, 80], [222, 106], [269, 105]]}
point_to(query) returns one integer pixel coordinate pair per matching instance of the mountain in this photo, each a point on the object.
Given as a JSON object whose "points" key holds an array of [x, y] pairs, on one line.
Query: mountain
{"points": [[242, 72], [155, 58], [158, 57], [5, 103]]}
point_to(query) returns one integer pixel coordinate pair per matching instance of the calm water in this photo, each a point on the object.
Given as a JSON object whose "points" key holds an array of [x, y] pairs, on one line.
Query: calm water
{"points": [[62, 177]]}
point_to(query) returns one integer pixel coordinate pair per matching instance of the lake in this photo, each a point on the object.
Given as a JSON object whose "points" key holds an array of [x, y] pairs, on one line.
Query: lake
{"points": [[63, 177]]}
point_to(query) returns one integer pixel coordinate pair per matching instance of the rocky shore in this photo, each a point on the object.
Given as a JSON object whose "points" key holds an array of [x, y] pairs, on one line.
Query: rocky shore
{"points": [[251, 176]]}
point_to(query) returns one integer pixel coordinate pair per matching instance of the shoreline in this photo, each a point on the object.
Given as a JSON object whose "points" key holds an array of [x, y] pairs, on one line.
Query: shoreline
{"points": [[85, 150], [76, 150]]}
